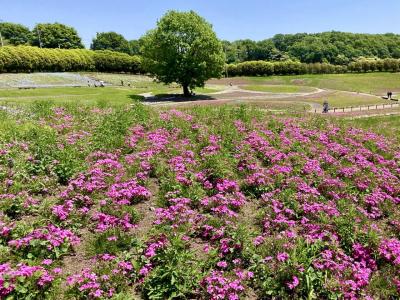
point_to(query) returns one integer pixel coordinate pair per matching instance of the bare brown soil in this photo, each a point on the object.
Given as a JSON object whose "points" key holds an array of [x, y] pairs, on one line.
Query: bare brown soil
{"points": [[146, 210]]}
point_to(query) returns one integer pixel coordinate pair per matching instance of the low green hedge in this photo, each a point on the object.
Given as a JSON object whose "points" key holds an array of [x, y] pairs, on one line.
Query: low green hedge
{"points": [[263, 68], [34, 59]]}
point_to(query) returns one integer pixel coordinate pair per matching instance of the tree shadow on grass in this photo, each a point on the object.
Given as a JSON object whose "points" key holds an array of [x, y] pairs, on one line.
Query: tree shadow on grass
{"points": [[176, 98], [386, 98], [136, 97]]}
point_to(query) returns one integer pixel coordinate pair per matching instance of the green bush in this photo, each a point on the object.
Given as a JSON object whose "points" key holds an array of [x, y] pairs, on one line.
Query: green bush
{"points": [[34, 59], [263, 68]]}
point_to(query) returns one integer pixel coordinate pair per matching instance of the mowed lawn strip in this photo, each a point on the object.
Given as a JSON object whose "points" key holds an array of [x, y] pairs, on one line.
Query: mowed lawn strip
{"points": [[346, 99], [279, 88], [373, 83]]}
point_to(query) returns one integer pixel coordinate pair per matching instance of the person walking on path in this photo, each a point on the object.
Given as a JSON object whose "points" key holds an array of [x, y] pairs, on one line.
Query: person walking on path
{"points": [[325, 107]]}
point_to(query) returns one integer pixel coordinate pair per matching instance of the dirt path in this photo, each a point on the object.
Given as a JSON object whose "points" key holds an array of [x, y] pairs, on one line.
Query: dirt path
{"points": [[235, 94], [238, 89]]}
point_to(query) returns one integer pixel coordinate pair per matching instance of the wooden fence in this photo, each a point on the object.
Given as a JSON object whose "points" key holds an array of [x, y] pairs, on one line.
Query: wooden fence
{"points": [[360, 108]]}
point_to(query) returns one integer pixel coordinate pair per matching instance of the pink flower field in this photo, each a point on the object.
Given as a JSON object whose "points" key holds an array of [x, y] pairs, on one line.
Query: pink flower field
{"points": [[203, 203]]}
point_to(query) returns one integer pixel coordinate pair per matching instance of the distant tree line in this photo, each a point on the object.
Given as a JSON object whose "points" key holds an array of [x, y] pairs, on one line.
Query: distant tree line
{"points": [[31, 59], [35, 59], [327, 52], [338, 48]]}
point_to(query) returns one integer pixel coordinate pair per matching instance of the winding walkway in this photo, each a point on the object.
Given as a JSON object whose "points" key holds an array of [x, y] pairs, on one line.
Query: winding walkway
{"points": [[236, 94], [232, 94]]}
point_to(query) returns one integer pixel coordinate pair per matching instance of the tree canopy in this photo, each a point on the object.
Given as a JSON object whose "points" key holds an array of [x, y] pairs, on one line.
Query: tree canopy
{"points": [[333, 47], [183, 49], [135, 46], [56, 35], [110, 41], [15, 34]]}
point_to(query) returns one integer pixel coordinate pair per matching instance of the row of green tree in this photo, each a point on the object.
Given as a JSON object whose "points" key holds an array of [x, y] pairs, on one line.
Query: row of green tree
{"points": [[338, 48], [31, 59], [263, 68], [35, 59], [56, 35]]}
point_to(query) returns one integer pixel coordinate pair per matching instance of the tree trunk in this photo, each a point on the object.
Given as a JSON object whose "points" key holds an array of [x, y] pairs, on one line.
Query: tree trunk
{"points": [[186, 91]]}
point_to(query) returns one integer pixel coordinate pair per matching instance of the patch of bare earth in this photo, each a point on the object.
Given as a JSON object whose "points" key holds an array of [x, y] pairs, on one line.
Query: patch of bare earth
{"points": [[197, 247], [248, 214], [78, 260], [250, 295], [146, 210]]}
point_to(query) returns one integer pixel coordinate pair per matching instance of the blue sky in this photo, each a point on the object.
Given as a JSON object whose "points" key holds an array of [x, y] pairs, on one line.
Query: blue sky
{"points": [[232, 19]]}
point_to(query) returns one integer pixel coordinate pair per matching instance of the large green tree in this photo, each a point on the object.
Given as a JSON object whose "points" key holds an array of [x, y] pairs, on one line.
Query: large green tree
{"points": [[56, 35], [183, 49], [15, 34], [110, 41], [135, 46]]}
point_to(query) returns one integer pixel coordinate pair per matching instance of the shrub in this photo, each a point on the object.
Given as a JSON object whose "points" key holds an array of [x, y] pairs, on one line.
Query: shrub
{"points": [[31, 59], [263, 68]]}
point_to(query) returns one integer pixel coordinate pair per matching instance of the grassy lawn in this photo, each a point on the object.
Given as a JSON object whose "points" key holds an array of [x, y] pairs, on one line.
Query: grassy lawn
{"points": [[278, 88], [89, 95], [290, 106], [271, 105], [344, 99], [124, 95], [147, 83], [374, 83], [138, 84], [111, 95], [386, 125], [377, 83]]}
